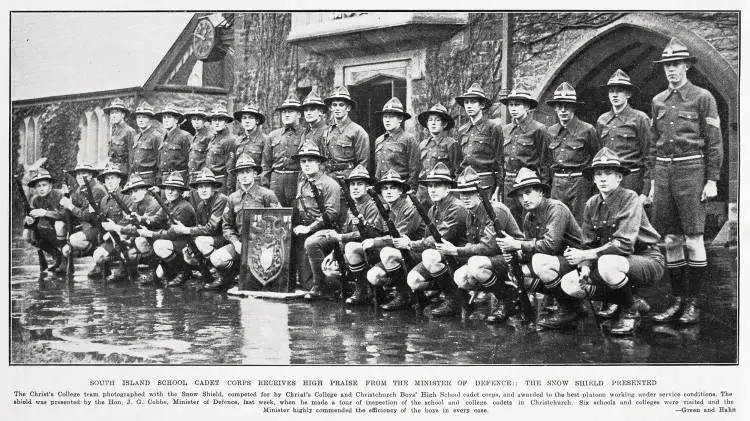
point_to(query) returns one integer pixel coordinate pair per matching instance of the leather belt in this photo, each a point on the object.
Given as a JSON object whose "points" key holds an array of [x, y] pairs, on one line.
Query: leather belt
{"points": [[286, 171], [511, 174], [568, 174], [679, 158], [142, 173], [339, 167], [482, 174]]}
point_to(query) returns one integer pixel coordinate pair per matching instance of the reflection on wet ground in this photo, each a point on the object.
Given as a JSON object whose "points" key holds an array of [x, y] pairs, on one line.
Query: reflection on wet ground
{"points": [[138, 324]]}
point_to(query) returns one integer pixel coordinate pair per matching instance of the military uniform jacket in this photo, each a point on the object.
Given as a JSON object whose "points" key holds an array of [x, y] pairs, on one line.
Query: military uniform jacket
{"points": [[181, 210], [120, 143], [346, 145], [208, 214], [198, 149], [398, 150], [686, 122], [315, 132], [254, 197], [626, 134], [309, 212], [407, 221], [550, 228], [283, 143], [174, 151], [573, 147], [220, 152], [480, 238], [145, 156], [525, 145], [618, 225], [449, 216], [50, 203], [148, 208], [440, 149], [81, 204], [253, 144], [110, 209], [369, 215], [482, 146]]}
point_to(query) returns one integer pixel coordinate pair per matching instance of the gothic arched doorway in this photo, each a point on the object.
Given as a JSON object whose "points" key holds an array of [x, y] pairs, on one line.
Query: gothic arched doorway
{"points": [[632, 44]]}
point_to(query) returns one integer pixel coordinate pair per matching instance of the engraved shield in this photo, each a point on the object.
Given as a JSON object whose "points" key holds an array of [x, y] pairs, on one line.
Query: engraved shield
{"points": [[266, 244]]}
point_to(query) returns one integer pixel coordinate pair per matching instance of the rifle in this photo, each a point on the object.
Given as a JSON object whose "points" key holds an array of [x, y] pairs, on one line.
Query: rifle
{"points": [[515, 272], [69, 222], [337, 254], [353, 209], [392, 230], [202, 265], [122, 253], [33, 226]]}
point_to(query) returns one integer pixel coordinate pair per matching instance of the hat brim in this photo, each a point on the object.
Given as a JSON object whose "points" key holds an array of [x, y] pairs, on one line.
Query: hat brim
{"points": [[368, 180], [174, 186], [214, 184], [107, 110], [469, 188], [588, 172], [102, 175], [315, 105], [379, 184], [188, 116], [161, 115], [320, 158], [487, 102], [33, 182], [128, 189], [552, 102], [257, 168], [689, 59], [444, 180], [532, 102], [513, 191], [422, 118], [258, 116], [403, 114], [349, 101], [226, 117], [290, 107], [148, 113], [631, 87]]}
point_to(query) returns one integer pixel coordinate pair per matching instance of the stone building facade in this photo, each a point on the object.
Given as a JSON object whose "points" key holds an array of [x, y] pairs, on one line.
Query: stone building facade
{"points": [[420, 57]]}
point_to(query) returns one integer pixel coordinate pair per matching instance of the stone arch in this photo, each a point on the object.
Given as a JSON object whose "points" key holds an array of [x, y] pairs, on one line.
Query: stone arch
{"points": [[83, 153], [101, 138], [30, 140], [633, 41]]}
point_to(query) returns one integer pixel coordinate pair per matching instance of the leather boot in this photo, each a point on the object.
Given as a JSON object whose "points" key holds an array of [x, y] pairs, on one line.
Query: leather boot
{"points": [[671, 313], [360, 295], [627, 323], [401, 300], [691, 314], [504, 311], [608, 310], [118, 273], [454, 297], [180, 273], [97, 272], [223, 281], [567, 312], [55, 253]]}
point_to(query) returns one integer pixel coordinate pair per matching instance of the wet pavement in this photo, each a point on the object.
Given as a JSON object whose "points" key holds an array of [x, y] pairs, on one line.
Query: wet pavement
{"points": [[94, 322]]}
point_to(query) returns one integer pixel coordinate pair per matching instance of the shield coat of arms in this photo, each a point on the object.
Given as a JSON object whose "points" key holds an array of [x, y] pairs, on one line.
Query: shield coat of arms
{"points": [[266, 245]]}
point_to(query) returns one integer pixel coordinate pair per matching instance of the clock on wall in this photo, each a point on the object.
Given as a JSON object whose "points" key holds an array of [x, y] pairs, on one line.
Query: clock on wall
{"points": [[204, 39]]}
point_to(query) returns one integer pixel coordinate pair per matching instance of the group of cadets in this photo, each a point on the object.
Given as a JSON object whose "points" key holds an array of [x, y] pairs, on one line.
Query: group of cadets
{"points": [[567, 202]]}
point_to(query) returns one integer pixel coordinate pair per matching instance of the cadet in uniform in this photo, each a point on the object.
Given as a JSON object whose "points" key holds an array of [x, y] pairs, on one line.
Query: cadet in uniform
{"points": [[310, 218], [47, 214], [283, 143], [619, 246], [346, 142], [175, 147], [209, 204], [684, 160], [549, 228], [249, 195], [251, 140], [121, 135], [314, 113], [319, 244], [144, 160], [221, 146], [484, 267], [438, 146], [573, 143], [84, 241], [199, 146], [396, 149], [481, 138], [168, 244], [111, 176], [625, 131], [409, 224], [525, 144], [450, 217]]}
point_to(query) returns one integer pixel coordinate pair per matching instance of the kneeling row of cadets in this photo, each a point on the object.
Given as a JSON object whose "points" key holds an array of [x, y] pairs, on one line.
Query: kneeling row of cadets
{"points": [[462, 243]]}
